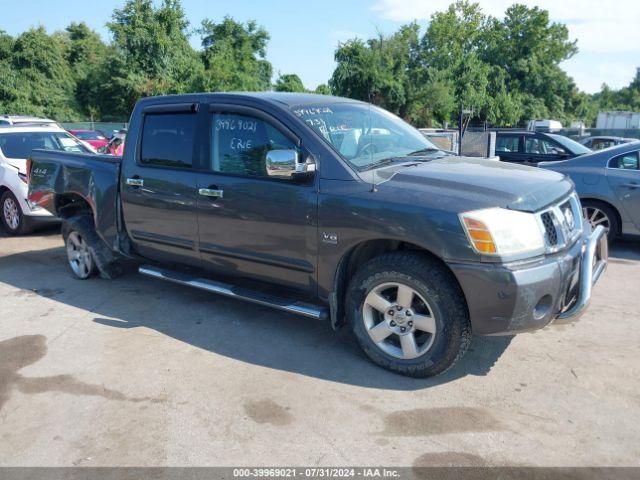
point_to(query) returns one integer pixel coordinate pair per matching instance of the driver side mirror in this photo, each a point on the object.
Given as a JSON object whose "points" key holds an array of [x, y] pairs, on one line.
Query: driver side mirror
{"points": [[286, 164]]}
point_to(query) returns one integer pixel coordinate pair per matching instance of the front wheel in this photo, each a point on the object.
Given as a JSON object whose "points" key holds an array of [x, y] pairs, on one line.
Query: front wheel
{"points": [[408, 314]]}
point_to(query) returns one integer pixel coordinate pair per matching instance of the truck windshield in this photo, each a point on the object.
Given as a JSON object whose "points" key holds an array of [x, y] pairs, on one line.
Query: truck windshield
{"points": [[18, 145], [364, 136]]}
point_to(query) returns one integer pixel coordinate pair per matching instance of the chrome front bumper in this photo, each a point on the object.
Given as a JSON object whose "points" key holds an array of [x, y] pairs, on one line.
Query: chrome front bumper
{"points": [[593, 263]]}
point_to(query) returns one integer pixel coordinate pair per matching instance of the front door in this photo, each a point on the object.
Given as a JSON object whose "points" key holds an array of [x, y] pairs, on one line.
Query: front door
{"points": [[159, 187], [251, 224], [538, 149], [623, 176]]}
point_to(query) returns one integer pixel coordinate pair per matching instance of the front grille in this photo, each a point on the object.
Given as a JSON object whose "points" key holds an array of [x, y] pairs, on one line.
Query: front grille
{"points": [[562, 223], [550, 229]]}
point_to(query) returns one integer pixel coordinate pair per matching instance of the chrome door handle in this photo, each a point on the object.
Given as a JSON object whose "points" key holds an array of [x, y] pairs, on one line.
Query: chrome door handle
{"points": [[210, 192], [631, 185], [135, 182]]}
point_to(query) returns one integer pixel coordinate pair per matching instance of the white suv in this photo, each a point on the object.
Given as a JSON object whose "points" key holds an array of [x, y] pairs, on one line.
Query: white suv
{"points": [[17, 214]]}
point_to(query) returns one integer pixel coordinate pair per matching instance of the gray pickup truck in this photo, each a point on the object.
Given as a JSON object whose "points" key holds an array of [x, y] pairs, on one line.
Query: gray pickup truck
{"points": [[332, 209]]}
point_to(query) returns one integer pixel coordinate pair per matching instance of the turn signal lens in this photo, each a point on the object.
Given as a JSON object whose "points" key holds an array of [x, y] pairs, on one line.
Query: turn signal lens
{"points": [[480, 236]]}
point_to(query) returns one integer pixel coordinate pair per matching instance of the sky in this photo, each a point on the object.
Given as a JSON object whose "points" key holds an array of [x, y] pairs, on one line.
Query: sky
{"points": [[305, 33]]}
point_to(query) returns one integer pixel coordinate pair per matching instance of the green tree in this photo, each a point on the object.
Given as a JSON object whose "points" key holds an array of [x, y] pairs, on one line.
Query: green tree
{"points": [[36, 76], [151, 55], [86, 56], [289, 82], [529, 48], [234, 56], [323, 89], [381, 70]]}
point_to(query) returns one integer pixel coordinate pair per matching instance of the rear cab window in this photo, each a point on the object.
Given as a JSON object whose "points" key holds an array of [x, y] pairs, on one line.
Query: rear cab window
{"points": [[168, 139]]}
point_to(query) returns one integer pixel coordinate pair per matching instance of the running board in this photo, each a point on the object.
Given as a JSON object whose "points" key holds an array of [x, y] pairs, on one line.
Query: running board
{"points": [[288, 305]]}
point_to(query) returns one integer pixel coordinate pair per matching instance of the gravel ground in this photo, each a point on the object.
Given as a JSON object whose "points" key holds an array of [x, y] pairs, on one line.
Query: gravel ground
{"points": [[137, 372]]}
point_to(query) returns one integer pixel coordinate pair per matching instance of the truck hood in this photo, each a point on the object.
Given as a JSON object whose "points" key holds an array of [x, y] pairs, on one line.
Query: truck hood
{"points": [[482, 183]]}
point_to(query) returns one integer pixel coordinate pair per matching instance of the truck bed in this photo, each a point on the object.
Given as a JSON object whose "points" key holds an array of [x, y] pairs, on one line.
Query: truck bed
{"points": [[57, 177]]}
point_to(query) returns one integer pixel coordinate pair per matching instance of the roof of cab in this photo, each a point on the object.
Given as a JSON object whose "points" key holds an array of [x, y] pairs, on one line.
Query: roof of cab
{"points": [[286, 99]]}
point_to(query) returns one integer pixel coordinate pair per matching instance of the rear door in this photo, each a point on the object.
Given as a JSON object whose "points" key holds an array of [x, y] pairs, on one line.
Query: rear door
{"points": [[508, 147], [159, 185], [258, 226], [623, 175]]}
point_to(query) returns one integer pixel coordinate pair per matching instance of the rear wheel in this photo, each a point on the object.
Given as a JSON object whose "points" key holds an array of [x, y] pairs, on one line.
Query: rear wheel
{"points": [[79, 256], [601, 214], [13, 220], [86, 251], [408, 314]]}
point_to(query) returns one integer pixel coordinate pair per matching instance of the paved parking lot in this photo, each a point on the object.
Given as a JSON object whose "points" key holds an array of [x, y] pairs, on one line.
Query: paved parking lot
{"points": [[138, 372]]}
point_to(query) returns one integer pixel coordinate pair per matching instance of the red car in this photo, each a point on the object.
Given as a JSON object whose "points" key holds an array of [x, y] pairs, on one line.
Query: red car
{"points": [[93, 137]]}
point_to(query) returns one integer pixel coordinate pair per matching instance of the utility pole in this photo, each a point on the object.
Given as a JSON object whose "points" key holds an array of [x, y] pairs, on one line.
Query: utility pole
{"points": [[462, 125]]}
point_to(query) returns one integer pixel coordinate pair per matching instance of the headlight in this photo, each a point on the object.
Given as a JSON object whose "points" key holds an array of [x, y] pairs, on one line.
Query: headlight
{"points": [[498, 231]]}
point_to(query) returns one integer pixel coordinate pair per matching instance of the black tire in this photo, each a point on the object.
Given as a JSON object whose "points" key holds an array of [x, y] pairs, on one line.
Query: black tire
{"points": [[612, 215], [433, 282], [104, 259], [24, 224]]}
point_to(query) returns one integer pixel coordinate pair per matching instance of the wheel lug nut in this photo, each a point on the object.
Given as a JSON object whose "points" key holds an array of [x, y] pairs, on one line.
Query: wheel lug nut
{"points": [[402, 329], [399, 307], [391, 312], [393, 324], [410, 324], [408, 313]]}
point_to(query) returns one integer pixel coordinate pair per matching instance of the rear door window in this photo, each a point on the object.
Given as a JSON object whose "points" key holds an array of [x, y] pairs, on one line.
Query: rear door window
{"points": [[168, 139], [628, 161], [507, 144]]}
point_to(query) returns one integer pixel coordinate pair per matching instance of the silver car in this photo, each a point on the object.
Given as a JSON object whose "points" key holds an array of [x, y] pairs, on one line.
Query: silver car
{"points": [[608, 183]]}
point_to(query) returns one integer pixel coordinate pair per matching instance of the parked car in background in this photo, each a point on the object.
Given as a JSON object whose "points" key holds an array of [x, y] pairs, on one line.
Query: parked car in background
{"points": [[544, 125], [415, 249], [95, 138], [608, 183], [25, 119], [115, 145], [17, 214], [601, 142], [530, 148]]}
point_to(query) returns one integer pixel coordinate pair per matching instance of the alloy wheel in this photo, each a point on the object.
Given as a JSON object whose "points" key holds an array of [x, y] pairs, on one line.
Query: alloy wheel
{"points": [[596, 217], [79, 255], [11, 213], [399, 320]]}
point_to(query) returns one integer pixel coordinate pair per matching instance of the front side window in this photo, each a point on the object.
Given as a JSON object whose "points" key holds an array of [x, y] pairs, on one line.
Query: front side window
{"points": [[507, 143], [364, 135], [540, 146], [240, 144], [167, 139], [18, 145], [628, 161]]}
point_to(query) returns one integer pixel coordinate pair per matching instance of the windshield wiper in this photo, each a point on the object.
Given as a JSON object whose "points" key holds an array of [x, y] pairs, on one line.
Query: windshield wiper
{"points": [[380, 163], [423, 151]]}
